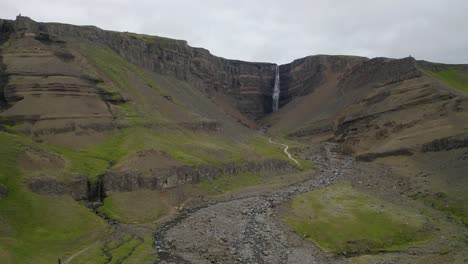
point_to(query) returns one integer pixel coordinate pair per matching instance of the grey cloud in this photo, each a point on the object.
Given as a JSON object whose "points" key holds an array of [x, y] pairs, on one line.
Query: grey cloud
{"points": [[277, 31]]}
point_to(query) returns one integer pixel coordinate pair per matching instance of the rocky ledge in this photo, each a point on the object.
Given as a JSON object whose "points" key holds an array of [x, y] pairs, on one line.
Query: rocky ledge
{"points": [[163, 178], [81, 188]]}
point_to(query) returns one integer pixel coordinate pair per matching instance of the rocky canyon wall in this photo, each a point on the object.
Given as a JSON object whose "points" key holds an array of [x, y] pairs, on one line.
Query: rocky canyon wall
{"points": [[158, 179], [303, 76], [248, 84]]}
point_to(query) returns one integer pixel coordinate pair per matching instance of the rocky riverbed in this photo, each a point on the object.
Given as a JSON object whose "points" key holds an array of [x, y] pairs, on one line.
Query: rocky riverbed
{"points": [[246, 229]]}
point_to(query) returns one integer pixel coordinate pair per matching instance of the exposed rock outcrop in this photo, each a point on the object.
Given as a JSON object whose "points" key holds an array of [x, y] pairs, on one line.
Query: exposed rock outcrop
{"points": [[379, 72], [437, 67], [163, 178], [448, 143], [3, 81], [248, 84], [47, 91], [402, 102], [163, 175], [205, 126], [372, 156], [77, 186], [303, 76]]}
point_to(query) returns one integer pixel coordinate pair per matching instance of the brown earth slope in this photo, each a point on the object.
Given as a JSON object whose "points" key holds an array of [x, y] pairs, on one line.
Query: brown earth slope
{"points": [[411, 115]]}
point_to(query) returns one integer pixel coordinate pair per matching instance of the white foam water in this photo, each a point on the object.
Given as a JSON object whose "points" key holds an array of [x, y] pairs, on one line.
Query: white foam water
{"points": [[276, 91]]}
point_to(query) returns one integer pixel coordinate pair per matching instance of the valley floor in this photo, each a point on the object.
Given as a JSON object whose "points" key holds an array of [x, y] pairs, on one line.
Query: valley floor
{"points": [[249, 227]]}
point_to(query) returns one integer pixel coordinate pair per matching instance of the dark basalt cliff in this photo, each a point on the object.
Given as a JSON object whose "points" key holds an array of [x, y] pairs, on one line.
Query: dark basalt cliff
{"points": [[157, 179], [249, 85], [154, 179], [341, 80], [303, 76]]}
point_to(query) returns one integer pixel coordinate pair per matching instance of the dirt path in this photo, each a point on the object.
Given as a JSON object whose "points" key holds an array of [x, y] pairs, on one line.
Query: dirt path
{"points": [[285, 150], [245, 229], [69, 259], [110, 221]]}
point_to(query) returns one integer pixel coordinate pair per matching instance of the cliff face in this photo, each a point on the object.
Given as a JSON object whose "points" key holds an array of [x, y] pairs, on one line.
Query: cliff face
{"points": [[248, 85], [338, 94], [163, 178], [154, 179], [46, 88], [303, 76], [379, 72], [381, 105]]}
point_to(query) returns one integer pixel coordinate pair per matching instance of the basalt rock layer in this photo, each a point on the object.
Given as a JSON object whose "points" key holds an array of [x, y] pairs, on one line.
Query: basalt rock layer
{"points": [[303, 76], [335, 97], [153, 179], [163, 178], [86, 112], [248, 85]]}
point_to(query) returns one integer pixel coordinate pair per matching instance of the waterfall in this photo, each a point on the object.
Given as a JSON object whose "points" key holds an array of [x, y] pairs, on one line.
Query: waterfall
{"points": [[276, 90]]}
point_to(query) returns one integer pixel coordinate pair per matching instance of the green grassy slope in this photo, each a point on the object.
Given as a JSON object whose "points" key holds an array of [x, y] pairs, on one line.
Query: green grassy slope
{"points": [[451, 75], [36, 228], [453, 204], [189, 147], [40, 229], [342, 219], [135, 207], [126, 249]]}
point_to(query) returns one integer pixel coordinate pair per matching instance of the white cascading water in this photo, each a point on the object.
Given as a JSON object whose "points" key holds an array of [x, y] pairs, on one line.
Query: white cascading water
{"points": [[276, 90]]}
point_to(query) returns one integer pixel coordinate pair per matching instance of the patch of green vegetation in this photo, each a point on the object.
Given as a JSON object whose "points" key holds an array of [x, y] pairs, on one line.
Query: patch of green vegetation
{"points": [[94, 255], [5, 44], [305, 165], [126, 248], [95, 160], [116, 69], [342, 219], [34, 227], [294, 147], [115, 96], [134, 207], [131, 116], [164, 42], [453, 76], [263, 147], [444, 251], [9, 128], [143, 254], [453, 206], [114, 66], [144, 37], [191, 148], [230, 183]]}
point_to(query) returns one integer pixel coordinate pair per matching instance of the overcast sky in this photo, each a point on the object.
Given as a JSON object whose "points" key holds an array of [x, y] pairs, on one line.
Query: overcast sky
{"points": [[277, 31]]}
